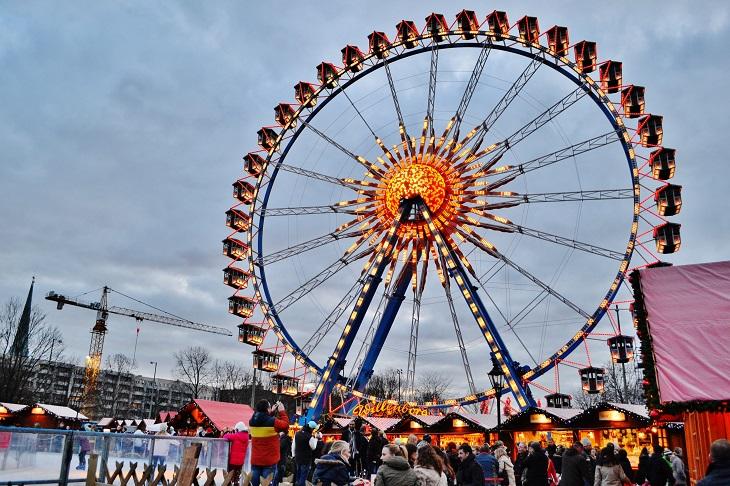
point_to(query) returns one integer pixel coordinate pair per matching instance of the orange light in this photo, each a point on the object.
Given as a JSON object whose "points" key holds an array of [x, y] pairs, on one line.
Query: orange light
{"points": [[415, 180]]}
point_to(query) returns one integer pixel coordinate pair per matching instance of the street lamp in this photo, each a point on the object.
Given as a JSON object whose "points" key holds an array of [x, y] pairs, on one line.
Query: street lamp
{"points": [[496, 378], [154, 380]]}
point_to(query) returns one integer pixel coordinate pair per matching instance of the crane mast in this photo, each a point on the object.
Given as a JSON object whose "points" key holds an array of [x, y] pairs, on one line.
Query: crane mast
{"points": [[98, 332]]}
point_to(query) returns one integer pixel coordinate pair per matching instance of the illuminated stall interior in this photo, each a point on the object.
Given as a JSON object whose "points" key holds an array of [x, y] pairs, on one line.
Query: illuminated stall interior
{"points": [[47, 417], [627, 426], [419, 425], [461, 428], [541, 425]]}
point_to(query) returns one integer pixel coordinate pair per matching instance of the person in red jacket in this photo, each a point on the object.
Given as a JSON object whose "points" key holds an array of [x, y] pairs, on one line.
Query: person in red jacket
{"points": [[265, 425], [239, 439]]}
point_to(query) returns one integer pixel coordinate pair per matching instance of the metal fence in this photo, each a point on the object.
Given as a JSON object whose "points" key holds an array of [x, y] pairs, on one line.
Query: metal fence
{"points": [[49, 456]]}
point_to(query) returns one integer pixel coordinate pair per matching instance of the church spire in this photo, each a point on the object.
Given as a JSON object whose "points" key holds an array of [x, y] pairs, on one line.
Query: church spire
{"points": [[22, 334]]}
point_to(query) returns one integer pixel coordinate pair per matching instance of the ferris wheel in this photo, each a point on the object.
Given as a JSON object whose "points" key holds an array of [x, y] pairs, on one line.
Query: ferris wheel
{"points": [[457, 198]]}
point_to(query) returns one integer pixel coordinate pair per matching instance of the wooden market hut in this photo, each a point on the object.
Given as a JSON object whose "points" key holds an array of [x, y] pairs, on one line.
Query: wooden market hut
{"points": [[218, 416], [461, 428], [7, 410], [48, 417], [380, 423], [628, 426], [165, 416], [680, 315], [332, 427], [417, 425], [106, 424], [540, 424]]}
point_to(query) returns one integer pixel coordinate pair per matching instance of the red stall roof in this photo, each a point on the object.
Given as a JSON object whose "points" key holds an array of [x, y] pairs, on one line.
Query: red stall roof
{"points": [[224, 415], [688, 313]]}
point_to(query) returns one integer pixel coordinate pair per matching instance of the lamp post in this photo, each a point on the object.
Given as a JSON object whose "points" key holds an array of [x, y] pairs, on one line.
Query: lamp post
{"points": [[496, 378], [154, 380]]}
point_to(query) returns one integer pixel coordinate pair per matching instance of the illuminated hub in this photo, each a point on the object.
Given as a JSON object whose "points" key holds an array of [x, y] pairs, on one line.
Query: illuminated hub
{"points": [[420, 177]]}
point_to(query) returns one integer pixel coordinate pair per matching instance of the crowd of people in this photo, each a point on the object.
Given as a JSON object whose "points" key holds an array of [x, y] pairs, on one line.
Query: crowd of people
{"points": [[356, 459]]}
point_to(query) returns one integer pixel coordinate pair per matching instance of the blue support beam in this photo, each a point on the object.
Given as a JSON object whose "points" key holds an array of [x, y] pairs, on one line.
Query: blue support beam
{"points": [[479, 311], [336, 362], [395, 299]]}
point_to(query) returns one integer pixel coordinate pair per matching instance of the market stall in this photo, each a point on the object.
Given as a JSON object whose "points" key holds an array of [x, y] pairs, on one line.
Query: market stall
{"points": [[543, 425], [681, 316], [626, 426], [417, 425], [48, 417], [461, 428], [218, 416]]}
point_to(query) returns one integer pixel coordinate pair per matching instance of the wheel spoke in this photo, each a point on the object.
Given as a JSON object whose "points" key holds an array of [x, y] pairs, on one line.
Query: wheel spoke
{"points": [[459, 337], [318, 280], [496, 253], [509, 96], [369, 166], [557, 156], [320, 177], [401, 124], [514, 198], [528, 129], [300, 248], [571, 243], [455, 124], [413, 343], [344, 207]]}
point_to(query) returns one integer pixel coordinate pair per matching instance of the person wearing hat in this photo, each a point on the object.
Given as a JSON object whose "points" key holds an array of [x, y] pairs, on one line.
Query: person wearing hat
{"points": [[591, 462], [302, 449], [239, 440]]}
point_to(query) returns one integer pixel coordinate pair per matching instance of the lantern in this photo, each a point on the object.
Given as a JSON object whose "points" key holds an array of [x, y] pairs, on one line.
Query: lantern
{"points": [[621, 347], [592, 380]]}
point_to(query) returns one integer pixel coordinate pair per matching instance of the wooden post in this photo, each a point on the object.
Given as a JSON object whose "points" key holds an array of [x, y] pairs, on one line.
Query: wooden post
{"points": [[189, 464], [91, 470]]}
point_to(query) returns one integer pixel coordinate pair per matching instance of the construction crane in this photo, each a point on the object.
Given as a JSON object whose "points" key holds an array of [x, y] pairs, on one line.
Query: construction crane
{"points": [[93, 360]]}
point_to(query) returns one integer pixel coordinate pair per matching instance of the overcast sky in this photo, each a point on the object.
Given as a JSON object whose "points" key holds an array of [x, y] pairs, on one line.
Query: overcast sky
{"points": [[123, 124]]}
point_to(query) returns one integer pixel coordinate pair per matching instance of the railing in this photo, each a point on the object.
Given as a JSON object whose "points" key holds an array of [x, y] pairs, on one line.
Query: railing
{"points": [[48, 456]]}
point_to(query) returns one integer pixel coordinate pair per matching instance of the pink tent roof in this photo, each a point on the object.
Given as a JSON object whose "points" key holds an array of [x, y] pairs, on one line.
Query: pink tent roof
{"points": [[224, 415], [688, 311]]}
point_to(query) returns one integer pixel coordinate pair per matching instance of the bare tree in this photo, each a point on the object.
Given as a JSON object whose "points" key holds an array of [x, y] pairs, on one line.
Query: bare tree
{"points": [[232, 380], [194, 367], [17, 370], [385, 384], [118, 367], [432, 385]]}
